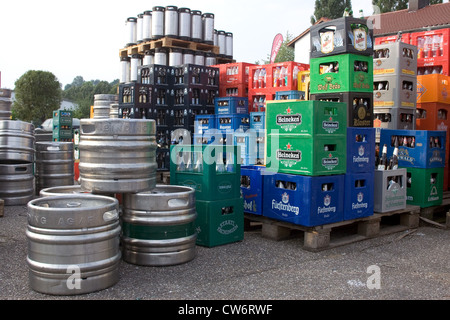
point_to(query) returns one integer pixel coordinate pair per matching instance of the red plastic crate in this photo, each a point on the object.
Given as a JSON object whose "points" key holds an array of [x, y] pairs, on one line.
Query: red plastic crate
{"points": [[273, 77], [261, 96], [234, 73], [432, 116], [406, 38], [432, 48], [237, 90]]}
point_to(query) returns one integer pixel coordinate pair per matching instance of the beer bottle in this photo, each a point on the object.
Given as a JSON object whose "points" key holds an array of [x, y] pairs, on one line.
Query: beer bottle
{"points": [[383, 161], [395, 156]]}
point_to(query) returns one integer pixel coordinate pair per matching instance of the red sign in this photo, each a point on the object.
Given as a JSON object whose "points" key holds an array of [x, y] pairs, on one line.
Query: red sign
{"points": [[277, 42]]}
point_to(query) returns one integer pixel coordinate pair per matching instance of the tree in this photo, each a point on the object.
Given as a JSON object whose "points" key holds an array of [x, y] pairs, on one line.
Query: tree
{"points": [[331, 9], [37, 95], [395, 5], [285, 53]]}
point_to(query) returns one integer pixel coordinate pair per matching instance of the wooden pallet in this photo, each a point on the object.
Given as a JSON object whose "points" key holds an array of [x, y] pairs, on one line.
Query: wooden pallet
{"points": [[438, 215], [340, 233], [168, 42]]}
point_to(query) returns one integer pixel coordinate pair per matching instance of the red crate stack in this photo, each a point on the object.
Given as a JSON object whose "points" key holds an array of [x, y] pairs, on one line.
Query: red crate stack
{"points": [[433, 51], [233, 79]]}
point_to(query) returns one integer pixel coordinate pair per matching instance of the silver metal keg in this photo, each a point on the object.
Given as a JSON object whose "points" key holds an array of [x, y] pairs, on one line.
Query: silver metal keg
{"points": [[114, 110], [139, 27], [62, 190], [131, 36], [125, 69], [171, 22], [147, 26], [199, 58], [216, 41], [16, 141], [184, 24], [161, 56], [175, 57], [221, 41], [188, 56], [208, 28], [196, 26], [117, 155], [135, 63], [102, 104], [159, 226], [210, 59], [73, 244], [149, 57], [54, 164], [5, 104], [16, 183], [157, 22], [229, 45]]}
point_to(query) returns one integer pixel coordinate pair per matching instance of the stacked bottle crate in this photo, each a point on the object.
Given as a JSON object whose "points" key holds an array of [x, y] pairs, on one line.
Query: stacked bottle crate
{"points": [[433, 106], [62, 126], [394, 85], [342, 67], [172, 96], [422, 154], [214, 171], [306, 156], [433, 51], [234, 79]]}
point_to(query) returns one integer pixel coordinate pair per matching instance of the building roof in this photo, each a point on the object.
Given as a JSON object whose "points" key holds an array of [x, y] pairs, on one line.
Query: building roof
{"points": [[430, 17]]}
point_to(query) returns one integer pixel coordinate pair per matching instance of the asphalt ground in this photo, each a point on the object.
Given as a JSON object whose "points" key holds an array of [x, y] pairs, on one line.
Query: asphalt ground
{"points": [[409, 265]]}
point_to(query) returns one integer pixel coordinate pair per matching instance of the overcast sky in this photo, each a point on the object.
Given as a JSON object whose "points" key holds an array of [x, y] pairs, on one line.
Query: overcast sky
{"points": [[83, 38]]}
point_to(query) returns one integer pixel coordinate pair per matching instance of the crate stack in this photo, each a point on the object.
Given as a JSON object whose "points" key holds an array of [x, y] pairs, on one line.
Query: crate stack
{"points": [[421, 153], [214, 171], [395, 86], [433, 86], [62, 126], [341, 67], [234, 80]]}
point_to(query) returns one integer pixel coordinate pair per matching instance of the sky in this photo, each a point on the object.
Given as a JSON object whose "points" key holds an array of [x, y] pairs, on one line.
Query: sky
{"points": [[84, 38]]}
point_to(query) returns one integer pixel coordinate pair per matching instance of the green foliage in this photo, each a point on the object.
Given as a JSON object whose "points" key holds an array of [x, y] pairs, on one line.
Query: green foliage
{"points": [[285, 53], [82, 93], [37, 94], [390, 5], [331, 9]]}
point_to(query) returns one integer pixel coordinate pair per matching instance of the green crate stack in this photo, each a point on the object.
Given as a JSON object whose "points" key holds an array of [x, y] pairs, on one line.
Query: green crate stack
{"points": [[424, 186], [62, 126], [215, 173]]}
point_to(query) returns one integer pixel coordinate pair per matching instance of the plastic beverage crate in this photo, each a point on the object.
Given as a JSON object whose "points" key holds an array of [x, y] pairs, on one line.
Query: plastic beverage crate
{"points": [[290, 95], [233, 122], [156, 74], [395, 58], [433, 47], [231, 105], [359, 195], [424, 186], [308, 118], [302, 200], [394, 91], [433, 88], [389, 190], [414, 149], [252, 179], [432, 116], [360, 150], [394, 118], [257, 120], [355, 74], [204, 123], [219, 222]]}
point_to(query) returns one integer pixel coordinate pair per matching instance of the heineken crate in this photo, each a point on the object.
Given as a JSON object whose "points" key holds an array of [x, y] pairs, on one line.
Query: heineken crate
{"points": [[62, 118], [389, 190], [416, 148], [156, 74], [395, 58], [303, 200], [205, 122], [233, 122], [135, 95], [307, 118], [360, 150], [359, 195], [394, 91], [342, 35], [212, 170], [311, 156], [257, 120], [231, 105], [290, 95], [252, 179], [359, 106], [424, 186], [219, 222], [342, 73]]}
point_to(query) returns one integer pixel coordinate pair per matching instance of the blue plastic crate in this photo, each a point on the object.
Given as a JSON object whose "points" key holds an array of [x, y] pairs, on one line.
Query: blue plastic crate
{"points": [[359, 195], [233, 122], [313, 201], [231, 105], [247, 142], [252, 180], [419, 155], [289, 95], [214, 137], [257, 120], [360, 150], [205, 122]]}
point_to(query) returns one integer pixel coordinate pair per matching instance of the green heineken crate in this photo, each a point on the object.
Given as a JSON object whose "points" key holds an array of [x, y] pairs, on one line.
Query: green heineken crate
{"points": [[353, 74], [424, 187], [198, 167], [306, 118], [62, 118], [219, 222], [296, 154]]}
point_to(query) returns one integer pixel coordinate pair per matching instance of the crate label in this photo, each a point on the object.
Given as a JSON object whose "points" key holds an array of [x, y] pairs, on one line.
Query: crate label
{"points": [[330, 163], [225, 187], [289, 121], [326, 209], [330, 126], [409, 72], [434, 194], [227, 227], [360, 37], [250, 205], [327, 42], [288, 157], [328, 85], [360, 158], [403, 155], [284, 206], [360, 204]]}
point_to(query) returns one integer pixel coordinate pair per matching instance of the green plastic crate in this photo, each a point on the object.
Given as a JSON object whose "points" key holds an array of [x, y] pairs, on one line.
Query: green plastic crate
{"points": [[346, 80], [296, 154], [219, 222], [62, 118], [62, 135], [306, 117], [420, 190], [208, 183]]}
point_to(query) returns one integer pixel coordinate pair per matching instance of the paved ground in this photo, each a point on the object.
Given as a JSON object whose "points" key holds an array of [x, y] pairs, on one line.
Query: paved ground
{"points": [[411, 267]]}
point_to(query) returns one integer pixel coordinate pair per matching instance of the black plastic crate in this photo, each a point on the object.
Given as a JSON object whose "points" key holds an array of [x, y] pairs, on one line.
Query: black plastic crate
{"points": [[163, 159], [135, 95], [163, 96], [156, 74]]}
